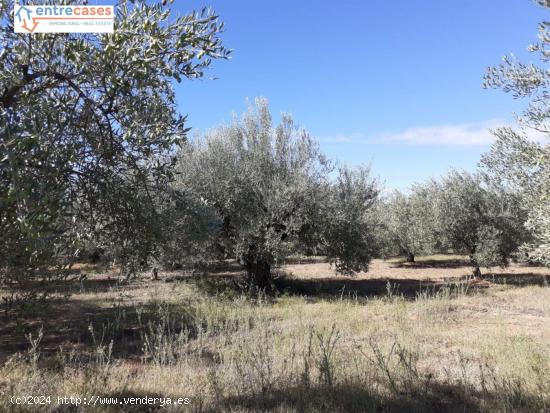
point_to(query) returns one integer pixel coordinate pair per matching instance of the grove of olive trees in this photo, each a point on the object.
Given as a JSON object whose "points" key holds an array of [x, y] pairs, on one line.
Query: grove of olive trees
{"points": [[459, 213], [94, 154], [240, 268]]}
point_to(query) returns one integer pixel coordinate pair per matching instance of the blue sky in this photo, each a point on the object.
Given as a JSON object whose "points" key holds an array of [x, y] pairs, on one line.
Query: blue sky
{"points": [[397, 84]]}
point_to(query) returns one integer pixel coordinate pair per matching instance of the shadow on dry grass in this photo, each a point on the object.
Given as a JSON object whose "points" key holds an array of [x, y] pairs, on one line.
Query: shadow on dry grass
{"points": [[351, 398], [328, 288], [65, 322], [345, 398], [433, 263], [518, 280], [73, 286], [335, 287]]}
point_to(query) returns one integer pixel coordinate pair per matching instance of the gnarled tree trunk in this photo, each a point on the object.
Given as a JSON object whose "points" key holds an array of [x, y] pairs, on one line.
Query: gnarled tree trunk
{"points": [[410, 257], [259, 274]]}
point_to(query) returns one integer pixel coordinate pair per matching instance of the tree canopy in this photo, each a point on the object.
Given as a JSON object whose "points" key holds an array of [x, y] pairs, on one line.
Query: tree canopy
{"points": [[474, 218], [87, 124], [272, 191], [405, 222], [518, 158]]}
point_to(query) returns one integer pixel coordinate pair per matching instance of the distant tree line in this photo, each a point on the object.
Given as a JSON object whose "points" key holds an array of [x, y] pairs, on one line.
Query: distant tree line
{"points": [[460, 212]]}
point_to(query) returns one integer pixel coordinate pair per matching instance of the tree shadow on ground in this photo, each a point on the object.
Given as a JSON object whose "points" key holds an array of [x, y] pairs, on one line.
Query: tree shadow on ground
{"points": [[234, 285], [73, 286], [332, 287], [439, 263], [86, 325], [328, 288], [229, 280], [518, 279], [90, 279], [354, 398], [344, 398], [65, 323], [47, 306]]}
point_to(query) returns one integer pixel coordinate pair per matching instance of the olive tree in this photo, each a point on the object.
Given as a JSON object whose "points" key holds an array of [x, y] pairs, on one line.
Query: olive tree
{"points": [[477, 219], [516, 159], [272, 191], [87, 124], [405, 222], [346, 227]]}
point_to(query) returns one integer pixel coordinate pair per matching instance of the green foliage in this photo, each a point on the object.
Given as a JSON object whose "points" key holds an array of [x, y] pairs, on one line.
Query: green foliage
{"points": [[86, 126], [516, 159], [271, 189], [348, 224], [406, 223], [477, 219]]}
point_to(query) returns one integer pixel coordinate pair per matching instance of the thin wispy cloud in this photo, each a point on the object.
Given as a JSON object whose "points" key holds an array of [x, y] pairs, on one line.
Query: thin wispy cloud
{"points": [[466, 134]]}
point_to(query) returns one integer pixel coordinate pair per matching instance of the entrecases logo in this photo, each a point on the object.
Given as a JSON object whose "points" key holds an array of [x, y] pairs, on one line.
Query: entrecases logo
{"points": [[63, 19]]}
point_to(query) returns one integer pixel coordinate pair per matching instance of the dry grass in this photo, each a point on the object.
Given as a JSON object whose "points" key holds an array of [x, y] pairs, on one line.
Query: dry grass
{"points": [[402, 337]]}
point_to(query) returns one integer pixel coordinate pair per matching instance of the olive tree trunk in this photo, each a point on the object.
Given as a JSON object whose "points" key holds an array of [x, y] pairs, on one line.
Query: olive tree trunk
{"points": [[476, 272], [259, 274]]}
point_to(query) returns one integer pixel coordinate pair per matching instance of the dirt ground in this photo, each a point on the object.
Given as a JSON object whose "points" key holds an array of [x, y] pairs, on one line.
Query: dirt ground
{"points": [[66, 318], [453, 329]]}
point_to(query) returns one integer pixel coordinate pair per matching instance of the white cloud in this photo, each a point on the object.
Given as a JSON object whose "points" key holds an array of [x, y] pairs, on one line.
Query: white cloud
{"points": [[459, 134], [462, 134]]}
